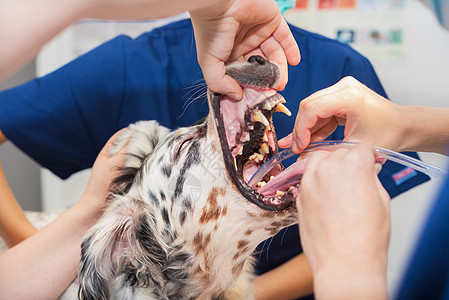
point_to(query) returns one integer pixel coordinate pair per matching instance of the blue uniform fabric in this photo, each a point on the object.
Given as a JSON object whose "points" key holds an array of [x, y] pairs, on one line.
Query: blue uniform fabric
{"points": [[427, 276], [63, 119]]}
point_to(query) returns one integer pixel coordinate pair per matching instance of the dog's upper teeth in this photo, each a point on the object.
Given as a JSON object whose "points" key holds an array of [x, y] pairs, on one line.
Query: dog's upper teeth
{"points": [[245, 137], [283, 109], [291, 188], [267, 106], [240, 150], [259, 117], [265, 137], [264, 149]]}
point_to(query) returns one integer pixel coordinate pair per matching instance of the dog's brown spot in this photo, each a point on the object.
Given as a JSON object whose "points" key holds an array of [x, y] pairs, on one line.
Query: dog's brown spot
{"points": [[242, 243], [236, 255], [276, 224], [250, 214], [198, 243], [212, 211], [215, 227], [224, 211], [272, 230], [248, 232]]}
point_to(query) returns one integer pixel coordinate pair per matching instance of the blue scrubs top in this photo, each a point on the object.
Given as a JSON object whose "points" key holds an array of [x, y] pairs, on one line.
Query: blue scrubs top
{"points": [[427, 276], [63, 119]]}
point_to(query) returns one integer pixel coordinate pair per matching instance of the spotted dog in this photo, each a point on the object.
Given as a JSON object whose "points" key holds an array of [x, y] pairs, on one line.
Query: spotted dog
{"points": [[182, 222]]}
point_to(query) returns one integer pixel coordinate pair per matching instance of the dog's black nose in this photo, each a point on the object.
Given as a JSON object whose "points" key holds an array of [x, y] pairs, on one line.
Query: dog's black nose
{"points": [[257, 59]]}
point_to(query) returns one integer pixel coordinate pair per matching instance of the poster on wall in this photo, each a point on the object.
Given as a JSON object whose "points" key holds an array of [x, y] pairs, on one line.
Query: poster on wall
{"points": [[375, 28]]}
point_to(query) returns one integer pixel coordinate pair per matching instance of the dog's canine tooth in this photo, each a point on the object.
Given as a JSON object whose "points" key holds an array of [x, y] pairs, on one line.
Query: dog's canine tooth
{"points": [[259, 117], [291, 188], [264, 149], [283, 109]]}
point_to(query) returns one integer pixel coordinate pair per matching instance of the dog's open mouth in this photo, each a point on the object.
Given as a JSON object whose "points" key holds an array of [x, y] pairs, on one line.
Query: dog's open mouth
{"points": [[248, 140]]}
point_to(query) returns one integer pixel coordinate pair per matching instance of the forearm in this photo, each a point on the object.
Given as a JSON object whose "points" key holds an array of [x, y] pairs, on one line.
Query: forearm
{"points": [[291, 280], [25, 26], [14, 226], [351, 281], [425, 129], [47, 261]]}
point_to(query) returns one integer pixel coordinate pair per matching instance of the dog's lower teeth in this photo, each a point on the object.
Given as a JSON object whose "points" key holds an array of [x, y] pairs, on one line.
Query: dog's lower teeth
{"points": [[279, 193], [264, 149], [261, 184]]}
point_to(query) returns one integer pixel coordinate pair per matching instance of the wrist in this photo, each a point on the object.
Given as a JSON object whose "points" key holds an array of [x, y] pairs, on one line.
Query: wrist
{"points": [[354, 280]]}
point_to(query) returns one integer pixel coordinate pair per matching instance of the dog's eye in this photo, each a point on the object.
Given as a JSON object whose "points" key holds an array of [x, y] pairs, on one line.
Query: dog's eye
{"points": [[184, 145]]}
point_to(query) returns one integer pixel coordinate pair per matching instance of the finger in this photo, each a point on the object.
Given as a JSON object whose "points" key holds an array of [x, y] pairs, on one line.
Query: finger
{"points": [[275, 54], [218, 82], [285, 142], [325, 128], [285, 38]]}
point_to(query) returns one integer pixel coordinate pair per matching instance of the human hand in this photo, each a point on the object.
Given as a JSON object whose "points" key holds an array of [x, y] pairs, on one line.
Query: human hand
{"points": [[344, 221], [227, 30], [104, 170], [367, 116]]}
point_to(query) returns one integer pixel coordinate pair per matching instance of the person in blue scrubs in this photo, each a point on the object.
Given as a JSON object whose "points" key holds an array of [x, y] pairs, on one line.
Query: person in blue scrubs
{"points": [[349, 260], [62, 119]]}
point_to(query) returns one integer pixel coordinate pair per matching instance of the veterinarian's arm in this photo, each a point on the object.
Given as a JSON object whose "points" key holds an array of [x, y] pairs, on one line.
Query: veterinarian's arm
{"points": [[291, 280], [368, 117], [14, 226], [3, 138], [47, 261], [345, 231]]}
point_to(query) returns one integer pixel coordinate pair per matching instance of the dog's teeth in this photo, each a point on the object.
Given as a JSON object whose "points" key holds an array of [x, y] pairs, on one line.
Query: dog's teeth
{"points": [[240, 151], [250, 127], [279, 193], [261, 184], [267, 106], [291, 188], [254, 157], [283, 109], [245, 137], [259, 117], [271, 177], [264, 149], [265, 137], [235, 164]]}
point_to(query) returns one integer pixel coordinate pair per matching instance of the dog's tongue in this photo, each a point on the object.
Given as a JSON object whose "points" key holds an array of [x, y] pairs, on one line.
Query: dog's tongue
{"points": [[289, 177]]}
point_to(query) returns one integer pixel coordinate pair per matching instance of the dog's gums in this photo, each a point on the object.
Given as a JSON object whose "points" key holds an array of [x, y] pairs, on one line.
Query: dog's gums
{"points": [[248, 138]]}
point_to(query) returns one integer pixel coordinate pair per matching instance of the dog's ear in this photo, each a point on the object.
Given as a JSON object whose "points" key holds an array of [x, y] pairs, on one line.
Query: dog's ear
{"points": [[124, 243], [138, 140]]}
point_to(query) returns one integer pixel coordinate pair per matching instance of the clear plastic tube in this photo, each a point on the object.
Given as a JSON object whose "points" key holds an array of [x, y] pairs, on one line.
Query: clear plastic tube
{"points": [[396, 157]]}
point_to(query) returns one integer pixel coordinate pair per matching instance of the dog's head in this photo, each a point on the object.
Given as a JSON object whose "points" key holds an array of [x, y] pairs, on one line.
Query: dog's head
{"points": [[182, 220]]}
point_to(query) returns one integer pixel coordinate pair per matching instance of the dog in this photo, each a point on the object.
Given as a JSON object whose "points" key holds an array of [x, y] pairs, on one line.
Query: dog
{"points": [[182, 223]]}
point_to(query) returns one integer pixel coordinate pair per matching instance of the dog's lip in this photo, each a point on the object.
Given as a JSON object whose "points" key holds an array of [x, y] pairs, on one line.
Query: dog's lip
{"points": [[249, 193]]}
